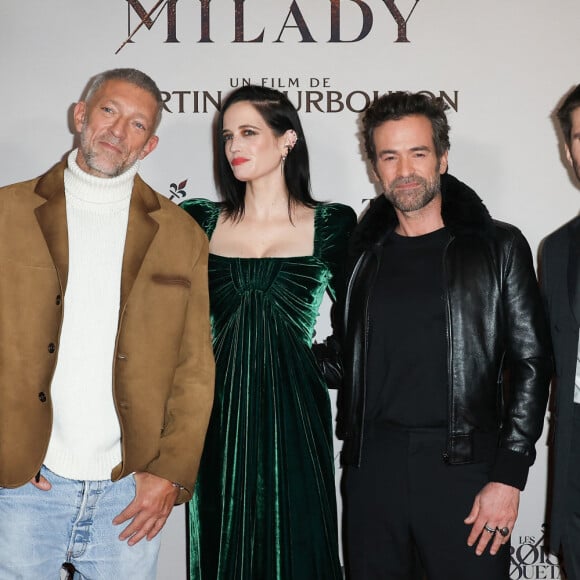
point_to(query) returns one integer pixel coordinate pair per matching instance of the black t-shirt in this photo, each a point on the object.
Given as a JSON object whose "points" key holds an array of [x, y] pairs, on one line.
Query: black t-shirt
{"points": [[407, 379]]}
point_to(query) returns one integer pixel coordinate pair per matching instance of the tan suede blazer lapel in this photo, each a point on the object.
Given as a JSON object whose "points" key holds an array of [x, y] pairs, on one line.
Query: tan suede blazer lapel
{"points": [[51, 217], [141, 231], [141, 228]]}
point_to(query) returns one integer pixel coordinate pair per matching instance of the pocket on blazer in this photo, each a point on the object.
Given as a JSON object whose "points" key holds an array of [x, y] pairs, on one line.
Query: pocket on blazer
{"points": [[171, 280]]}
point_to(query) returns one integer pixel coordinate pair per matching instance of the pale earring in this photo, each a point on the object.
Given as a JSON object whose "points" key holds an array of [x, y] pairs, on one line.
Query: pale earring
{"points": [[282, 162], [288, 149], [291, 138]]}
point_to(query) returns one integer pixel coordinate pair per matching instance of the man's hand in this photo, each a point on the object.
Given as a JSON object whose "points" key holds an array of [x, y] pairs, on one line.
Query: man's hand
{"points": [[42, 483], [149, 510], [495, 507]]}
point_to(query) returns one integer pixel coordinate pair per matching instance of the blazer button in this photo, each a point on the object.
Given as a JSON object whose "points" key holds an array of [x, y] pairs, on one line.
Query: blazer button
{"points": [[51, 348], [445, 457], [42, 397], [58, 300]]}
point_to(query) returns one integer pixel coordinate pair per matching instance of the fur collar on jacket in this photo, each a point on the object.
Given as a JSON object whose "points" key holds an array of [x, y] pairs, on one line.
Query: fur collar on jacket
{"points": [[462, 211]]}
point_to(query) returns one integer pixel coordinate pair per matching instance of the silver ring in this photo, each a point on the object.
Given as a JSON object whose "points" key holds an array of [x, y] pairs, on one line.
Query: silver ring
{"points": [[505, 531], [490, 530]]}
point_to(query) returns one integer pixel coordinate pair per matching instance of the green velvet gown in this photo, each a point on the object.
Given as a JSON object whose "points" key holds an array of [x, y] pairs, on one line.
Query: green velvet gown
{"points": [[264, 506]]}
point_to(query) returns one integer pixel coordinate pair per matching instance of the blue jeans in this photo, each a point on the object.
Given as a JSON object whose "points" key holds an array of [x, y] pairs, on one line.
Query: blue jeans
{"points": [[41, 530]]}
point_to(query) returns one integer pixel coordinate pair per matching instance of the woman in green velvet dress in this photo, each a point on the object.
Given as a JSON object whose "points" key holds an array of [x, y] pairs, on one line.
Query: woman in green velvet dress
{"points": [[264, 506]]}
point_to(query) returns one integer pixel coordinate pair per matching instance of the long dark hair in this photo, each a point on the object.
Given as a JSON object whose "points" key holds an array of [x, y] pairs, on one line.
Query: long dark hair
{"points": [[280, 115]]}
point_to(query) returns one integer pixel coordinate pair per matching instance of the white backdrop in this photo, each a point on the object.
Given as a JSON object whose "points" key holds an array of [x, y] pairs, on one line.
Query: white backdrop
{"points": [[503, 65]]}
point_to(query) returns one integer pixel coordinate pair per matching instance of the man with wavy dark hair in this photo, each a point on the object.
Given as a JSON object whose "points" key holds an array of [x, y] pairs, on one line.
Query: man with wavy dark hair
{"points": [[439, 302], [561, 287]]}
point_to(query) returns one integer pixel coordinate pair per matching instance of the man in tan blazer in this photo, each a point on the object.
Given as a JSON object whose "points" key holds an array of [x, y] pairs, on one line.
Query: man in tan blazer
{"points": [[106, 365]]}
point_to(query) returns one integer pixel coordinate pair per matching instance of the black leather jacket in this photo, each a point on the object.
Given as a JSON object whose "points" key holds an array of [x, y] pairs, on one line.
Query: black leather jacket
{"points": [[495, 322]]}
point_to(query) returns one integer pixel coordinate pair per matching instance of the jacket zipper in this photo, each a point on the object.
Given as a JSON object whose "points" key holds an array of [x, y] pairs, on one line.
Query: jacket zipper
{"points": [[446, 453]]}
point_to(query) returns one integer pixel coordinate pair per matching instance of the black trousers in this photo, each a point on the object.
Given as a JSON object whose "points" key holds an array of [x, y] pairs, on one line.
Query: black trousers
{"points": [[571, 536], [404, 510]]}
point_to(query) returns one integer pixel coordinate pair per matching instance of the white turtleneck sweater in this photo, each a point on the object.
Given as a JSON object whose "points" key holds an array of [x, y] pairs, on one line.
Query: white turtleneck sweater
{"points": [[85, 443]]}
